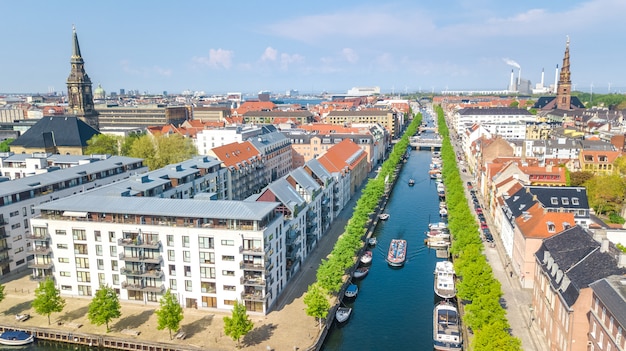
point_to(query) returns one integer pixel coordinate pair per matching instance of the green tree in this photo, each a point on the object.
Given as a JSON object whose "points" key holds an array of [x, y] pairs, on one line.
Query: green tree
{"points": [[103, 144], [316, 302], [170, 314], [161, 150], [104, 307], [238, 324], [5, 145], [606, 193], [579, 178], [47, 299], [514, 104], [495, 336], [2, 295]]}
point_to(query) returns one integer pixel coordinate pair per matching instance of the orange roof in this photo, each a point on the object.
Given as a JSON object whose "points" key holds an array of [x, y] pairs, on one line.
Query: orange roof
{"points": [[341, 155], [237, 154], [255, 106], [535, 223], [327, 128]]}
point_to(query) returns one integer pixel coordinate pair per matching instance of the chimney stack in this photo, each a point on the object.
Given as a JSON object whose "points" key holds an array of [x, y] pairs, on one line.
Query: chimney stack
{"points": [[556, 78]]}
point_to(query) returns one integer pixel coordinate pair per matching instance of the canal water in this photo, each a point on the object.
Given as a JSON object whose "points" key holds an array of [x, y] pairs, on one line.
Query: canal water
{"points": [[394, 306]]}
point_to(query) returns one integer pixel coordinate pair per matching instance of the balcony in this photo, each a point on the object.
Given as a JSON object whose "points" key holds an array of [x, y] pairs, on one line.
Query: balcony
{"points": [[40, 278], [37, 265], [154, 244], [257, 295], [3, 234], [251, 266], [38, 236], [141, 287], [141, 258], [252, 281], [250, 250], [153, 273], [38, 250]]}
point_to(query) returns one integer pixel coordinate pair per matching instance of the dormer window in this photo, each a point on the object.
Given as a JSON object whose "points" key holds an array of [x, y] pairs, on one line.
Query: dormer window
{"points": [[554, 200], [575, 201], [551, 227], [566, 225], [565, 201]]}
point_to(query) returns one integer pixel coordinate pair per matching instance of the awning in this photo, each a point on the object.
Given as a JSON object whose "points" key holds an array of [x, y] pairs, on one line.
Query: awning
{"points": [[75, 214]]}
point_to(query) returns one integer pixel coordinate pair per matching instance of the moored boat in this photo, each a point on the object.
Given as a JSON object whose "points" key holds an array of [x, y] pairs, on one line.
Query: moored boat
{"points": [[383, 216], [444, 279], [446, 328], [411, 182], [16, 338], [443, 212], [372, 241], [367, 257], [437, 243], [351, 290], [438, 225], [397, 252], [360, 272], [342, 314]]}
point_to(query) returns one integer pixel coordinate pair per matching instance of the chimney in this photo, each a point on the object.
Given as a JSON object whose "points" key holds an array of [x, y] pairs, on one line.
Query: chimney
{"points": [[604, 245], [556, 78], [621, 260], [511, 86], [542, 74], [519, 78]]}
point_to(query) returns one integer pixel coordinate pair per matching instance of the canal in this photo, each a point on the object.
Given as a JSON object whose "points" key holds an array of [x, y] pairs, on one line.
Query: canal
{"points": [[394, 306]]}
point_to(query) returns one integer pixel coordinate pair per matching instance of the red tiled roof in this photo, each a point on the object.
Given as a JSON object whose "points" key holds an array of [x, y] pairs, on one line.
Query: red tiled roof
{"points": [[535, 223], [236, 154]]}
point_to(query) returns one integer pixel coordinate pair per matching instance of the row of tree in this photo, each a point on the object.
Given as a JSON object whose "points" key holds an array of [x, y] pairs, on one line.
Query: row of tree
{"points": [[158, 150], [331, 273], [477, 288]]}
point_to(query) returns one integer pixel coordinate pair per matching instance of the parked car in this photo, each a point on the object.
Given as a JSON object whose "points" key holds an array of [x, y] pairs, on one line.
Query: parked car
{"points": [[479, 210], [484, 225], [469, 185]]}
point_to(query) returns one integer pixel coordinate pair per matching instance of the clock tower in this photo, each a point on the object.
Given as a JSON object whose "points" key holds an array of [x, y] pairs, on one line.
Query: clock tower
{"points": [[79, 93]]}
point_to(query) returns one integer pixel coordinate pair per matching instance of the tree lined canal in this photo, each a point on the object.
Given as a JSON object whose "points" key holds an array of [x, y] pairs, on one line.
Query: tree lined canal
{"points": [[394, 306]]}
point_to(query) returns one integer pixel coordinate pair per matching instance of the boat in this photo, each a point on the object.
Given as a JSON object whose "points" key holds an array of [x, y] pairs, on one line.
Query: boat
{"points": [[446, 328], [351, 290], [372, 241], [360, 272], [367, 257], [16, 338], [411, 182], [438, 235], [443, 212], [342, 314], [397, 252], [444, 279], [383, 216], [438, 225], [437, 243]]}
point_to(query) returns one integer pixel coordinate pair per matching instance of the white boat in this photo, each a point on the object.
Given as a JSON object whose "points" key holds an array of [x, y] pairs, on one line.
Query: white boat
{"points": [[397, 252], [16, 338], [443, 212], [367, 257], [383, 216], [360, 272], [411, 182], [351, 290], [446, 328], [438, 243], [444, 279], [438, 225], [437, 235], [342, 314], [372, 241]]}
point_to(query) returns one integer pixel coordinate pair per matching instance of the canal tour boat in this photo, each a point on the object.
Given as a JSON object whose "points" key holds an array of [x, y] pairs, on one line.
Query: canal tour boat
{"points": [[351, 290], [16, 338], [342, 314], [397, 252], [444, 279], [446, 328], [360, 272], [367, 257]]}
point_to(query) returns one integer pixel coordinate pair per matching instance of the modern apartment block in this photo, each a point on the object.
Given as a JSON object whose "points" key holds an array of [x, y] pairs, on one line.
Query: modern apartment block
{"points": [[210, 253], [20, 197], [390, 120], [16, 166]]}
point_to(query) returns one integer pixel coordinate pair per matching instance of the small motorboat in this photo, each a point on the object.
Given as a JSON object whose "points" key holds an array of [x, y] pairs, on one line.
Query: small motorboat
{"points": [[443, 212], [351, 290], [438, 244], [437, 226], [342, 314], [360, 272], [383, 216], [411, 182], [367, 257], [16, 338], [372, 241]]}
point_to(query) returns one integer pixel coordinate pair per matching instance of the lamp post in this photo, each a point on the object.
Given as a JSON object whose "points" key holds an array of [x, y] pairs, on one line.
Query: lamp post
{"points": [[531, 318]]}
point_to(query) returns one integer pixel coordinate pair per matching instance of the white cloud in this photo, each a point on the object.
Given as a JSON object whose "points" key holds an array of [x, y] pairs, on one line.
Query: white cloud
{"points": [[350, 55], [286, 60], [219, 58], [128, 68], [269, 54]]}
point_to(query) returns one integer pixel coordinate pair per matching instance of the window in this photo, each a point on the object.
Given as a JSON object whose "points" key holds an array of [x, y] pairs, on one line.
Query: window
{"points": [[114, 265], [64, 260], [101, 279], [229, 288], [84, 277], [82, 262], [100, 264], [207, 257], [172, 284], [171, 255], [17, 238], [99, 250], [84, 290], [79, 234], [116, 279], [551, 227], [228, 273], [554, 200], [62, 246], [565, 201], [187, 256], [185, 241], [205, 243], [229, 302], [14, 213], [32, 209], [170, 240], [26, 223], [228, 258], [66, 287], [228, 243], [59, 232], [188, 285], [111, 237], [172, 270], [575, 201], [187, 271], [97, 235], [15, 226], [65, 274], [207, 272], [113, 251]]}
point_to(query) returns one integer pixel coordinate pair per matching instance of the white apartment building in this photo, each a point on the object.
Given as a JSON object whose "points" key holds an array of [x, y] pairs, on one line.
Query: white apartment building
{"points": [[507, 131], [561, 148], [209, 253], [207, 139], [465, 117], [19, 198], [16, 166]]}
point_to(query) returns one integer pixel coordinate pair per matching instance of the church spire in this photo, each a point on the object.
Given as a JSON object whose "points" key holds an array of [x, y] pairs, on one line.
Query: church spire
{"points": [[76, 53], [563, 95], [79, 89]]}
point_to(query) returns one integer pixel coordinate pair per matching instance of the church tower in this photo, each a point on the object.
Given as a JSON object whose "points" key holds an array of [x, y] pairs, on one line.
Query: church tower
{"points": [[563, 94], [79, 93]]}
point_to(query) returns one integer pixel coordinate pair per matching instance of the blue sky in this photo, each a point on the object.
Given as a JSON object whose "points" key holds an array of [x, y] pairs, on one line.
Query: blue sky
{"points": [[247, 46]]}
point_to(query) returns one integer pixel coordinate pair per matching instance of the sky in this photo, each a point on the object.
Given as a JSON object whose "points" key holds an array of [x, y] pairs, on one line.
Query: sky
{"points": [[311, 46]]}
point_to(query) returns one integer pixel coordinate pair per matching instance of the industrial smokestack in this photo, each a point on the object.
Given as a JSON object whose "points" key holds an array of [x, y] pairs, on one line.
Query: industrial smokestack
{"points": [[542, 74], [519, 78], [556, 78], [511, 86]]}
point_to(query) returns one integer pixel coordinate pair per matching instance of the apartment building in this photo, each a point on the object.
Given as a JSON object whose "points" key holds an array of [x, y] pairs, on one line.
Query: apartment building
{"points": [[209, 253], [391, 120], [19, 198], [504, 116], [113, 117], [16, 166], [607, 318], [246, 173]]}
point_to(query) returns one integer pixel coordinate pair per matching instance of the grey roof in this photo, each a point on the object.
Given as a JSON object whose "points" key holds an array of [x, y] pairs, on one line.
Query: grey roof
{"points": [[358, 113], [597, 145], [267, 139], [225, 209], [520, 202], [545, 195], [494, 111], [286, 194], [56, 131], [612, 292], [278, 113], [304, 180], [45, 179], [316, 167], [578, 255]]}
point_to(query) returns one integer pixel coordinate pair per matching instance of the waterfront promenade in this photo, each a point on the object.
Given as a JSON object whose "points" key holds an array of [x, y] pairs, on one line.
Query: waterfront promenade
{"points": [[286, 327]]}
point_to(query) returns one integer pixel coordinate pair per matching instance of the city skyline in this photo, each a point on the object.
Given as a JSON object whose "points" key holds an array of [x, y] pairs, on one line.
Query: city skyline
{"points": [[398, 46]]}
